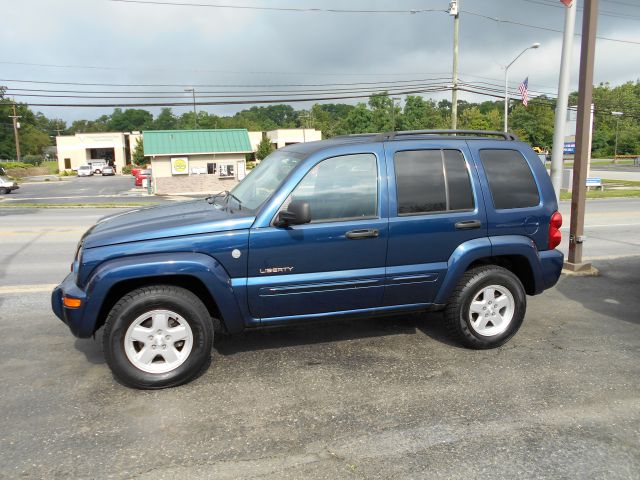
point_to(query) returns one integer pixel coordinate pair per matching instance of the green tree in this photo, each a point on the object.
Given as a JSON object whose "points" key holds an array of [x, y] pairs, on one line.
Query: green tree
{"points": [[264, 148], [420, 114], [165, 120], [129, 120], [138, 157]]}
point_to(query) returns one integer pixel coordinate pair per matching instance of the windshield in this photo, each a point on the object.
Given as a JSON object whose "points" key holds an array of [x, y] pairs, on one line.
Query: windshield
{"points": [[83, 167], [264, 179]]}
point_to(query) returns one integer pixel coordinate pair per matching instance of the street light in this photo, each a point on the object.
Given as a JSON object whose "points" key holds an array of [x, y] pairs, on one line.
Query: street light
{"points": [[195, 115], [615, 149], [506, 85]]}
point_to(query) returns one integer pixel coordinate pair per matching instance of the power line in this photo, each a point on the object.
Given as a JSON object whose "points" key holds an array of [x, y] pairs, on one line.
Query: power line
{"points": [[180, 85], [605, 13], [548, 29], [279, 9]]}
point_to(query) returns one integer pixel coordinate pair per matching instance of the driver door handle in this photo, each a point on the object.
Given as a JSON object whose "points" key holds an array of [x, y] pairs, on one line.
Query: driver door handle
{"points": [[468, 224], [365, 233]]}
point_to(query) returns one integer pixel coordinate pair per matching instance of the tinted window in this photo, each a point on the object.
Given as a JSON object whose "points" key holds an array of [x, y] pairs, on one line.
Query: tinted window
{"points": [[421, 185], [458, 183], [340, 188], [510, 179], [420, 181]]}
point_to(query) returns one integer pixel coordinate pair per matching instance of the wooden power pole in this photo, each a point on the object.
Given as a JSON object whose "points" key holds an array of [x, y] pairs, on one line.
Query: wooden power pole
{"points": [[16, 126], [583, 138]]}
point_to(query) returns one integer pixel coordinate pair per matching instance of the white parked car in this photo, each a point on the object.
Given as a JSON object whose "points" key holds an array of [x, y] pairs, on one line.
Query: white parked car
{"points": [[7, 185], [85, 171]]}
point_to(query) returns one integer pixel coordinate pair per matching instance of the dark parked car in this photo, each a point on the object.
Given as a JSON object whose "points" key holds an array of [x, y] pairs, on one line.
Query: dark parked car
{"points": [[363, 225]]}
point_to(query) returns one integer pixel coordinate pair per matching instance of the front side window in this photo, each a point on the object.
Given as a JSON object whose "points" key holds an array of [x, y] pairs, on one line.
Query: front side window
{"points": [[340, 188], [510, 179], [431, 181]]}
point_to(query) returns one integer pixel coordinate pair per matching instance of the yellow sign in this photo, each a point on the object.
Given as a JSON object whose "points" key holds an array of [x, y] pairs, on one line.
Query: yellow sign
{"points": [[180, 166]]}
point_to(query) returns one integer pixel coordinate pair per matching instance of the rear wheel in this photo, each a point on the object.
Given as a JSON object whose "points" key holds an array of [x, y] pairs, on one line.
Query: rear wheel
{"points": [[157, 337], [4, 190], [487, 307]]}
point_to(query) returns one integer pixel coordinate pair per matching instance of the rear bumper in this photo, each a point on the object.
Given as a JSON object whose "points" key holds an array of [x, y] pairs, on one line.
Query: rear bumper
{"points": [[551, 262], [72, 317]]}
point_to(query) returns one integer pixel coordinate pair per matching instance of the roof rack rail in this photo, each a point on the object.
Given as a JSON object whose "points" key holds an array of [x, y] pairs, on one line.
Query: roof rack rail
{"points": [[466, 133]]}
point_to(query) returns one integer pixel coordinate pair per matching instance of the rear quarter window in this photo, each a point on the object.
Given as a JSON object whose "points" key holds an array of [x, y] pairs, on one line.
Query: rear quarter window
{"points": [[510, 179]]}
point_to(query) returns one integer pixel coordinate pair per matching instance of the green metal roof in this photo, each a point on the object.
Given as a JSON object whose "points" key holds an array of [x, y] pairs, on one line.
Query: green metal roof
{"points": [[171, 142]]}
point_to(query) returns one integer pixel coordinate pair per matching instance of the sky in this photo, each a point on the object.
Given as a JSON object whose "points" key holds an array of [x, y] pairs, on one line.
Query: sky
{"points": [[103, 41]]}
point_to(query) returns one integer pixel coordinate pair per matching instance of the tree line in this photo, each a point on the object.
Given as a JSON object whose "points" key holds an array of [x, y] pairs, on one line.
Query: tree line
{"points": [[533, 124]]}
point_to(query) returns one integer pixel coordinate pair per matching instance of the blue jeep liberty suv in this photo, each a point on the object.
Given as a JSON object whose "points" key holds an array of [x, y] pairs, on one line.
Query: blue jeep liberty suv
{"points": [[362, 225]]}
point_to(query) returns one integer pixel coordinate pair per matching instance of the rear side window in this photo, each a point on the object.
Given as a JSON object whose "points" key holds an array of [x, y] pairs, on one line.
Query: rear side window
{"points": [[510, 179], [431, 181]]}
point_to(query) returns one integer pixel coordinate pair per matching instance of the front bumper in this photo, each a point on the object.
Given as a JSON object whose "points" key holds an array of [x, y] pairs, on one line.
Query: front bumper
{"points": [[73, 317]]}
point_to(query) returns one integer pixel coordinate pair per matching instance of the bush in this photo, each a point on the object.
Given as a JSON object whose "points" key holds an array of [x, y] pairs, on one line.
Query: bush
{"points": [[32, 160], [126, 170], [12, 165], [68, 173]]}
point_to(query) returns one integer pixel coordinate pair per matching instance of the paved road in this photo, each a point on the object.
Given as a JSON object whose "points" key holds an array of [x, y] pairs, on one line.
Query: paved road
{"points": [[74, 190], [385, 398], [38, 244]]}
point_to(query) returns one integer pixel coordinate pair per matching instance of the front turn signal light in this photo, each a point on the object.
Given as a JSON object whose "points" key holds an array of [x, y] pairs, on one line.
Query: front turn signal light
{"points": [[71, 302]]}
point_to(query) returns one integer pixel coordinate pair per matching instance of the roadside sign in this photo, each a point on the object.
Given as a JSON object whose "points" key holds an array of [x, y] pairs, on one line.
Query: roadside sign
{"points": [[594, 182], [570, 148]]}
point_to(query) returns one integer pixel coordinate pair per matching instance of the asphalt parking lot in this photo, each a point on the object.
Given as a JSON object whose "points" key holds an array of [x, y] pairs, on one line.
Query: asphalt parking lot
{"points": [[96, 189], [384, 398]]}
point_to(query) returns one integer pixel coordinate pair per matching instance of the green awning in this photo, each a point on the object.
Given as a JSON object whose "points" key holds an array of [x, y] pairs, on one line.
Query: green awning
{"points": [[182, 142]]}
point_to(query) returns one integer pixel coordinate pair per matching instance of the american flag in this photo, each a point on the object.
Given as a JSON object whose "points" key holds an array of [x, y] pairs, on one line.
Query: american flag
{"points": [[524, 91]]}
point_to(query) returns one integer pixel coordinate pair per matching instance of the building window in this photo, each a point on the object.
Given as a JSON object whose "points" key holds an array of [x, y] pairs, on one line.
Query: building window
{"points": [[211, 168], [226, 171]]}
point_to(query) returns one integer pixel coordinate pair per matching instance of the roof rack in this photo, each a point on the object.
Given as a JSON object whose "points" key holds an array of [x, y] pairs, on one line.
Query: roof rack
{"points": [[463, 133]]}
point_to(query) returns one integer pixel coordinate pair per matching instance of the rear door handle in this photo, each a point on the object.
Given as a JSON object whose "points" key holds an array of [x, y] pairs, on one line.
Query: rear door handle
{"points": [[468, 224], [365, 233]]}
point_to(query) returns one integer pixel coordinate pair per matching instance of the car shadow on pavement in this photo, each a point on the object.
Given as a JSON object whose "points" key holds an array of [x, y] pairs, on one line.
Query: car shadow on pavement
{"points": [[91, 348], [613, 293], [332, 332]]}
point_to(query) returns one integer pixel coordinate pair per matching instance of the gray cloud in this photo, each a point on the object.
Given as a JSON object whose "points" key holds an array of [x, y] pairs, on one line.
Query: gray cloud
{"points": [[158, 44]]}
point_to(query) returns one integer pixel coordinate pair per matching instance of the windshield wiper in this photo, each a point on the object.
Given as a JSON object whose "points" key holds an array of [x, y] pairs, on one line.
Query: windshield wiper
{"points": [[212, 199], [229, 194]]}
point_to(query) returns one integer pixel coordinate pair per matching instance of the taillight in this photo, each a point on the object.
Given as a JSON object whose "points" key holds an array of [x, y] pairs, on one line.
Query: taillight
{"points": [[555, 237]]}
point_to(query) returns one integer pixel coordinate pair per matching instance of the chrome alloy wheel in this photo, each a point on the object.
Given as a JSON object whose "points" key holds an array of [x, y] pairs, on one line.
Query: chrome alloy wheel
{"points": [[491, 310], [158, 341]]}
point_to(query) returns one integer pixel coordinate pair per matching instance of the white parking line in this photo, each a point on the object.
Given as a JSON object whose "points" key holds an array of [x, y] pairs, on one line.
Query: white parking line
{"points": [[27, 288]]}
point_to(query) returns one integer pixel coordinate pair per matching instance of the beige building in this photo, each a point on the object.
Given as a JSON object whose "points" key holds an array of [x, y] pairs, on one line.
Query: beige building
{"points": [[285, 136], [196, 161], [84, 148]]}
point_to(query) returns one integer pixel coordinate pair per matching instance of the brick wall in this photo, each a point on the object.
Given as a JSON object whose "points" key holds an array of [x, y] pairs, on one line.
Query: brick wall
{"points": [[193, 184]]}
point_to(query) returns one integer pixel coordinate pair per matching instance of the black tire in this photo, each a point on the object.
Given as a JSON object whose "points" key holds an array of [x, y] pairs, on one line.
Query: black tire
{"points": [[457, 312], [4, 191], [146, 299]]}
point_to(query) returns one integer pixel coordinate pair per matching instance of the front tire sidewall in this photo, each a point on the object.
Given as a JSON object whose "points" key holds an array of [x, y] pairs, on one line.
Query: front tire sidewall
{"points": [[121, 317], [492, 277]]}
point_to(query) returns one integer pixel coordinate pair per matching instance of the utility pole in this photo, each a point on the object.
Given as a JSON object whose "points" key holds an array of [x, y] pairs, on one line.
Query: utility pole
{"points": [[583, 144], [16, 127], [615, 149], [393, 110], [195, 114], [557, 151], [454, 10]]}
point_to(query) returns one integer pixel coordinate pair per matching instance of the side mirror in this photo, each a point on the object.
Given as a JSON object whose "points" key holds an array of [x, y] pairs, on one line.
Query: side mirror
{"points": [[297, 213]]}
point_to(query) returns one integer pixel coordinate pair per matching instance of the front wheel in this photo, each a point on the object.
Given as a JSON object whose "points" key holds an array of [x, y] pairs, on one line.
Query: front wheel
{"points": [[4, 191], [157, 337], [487, 307]]}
